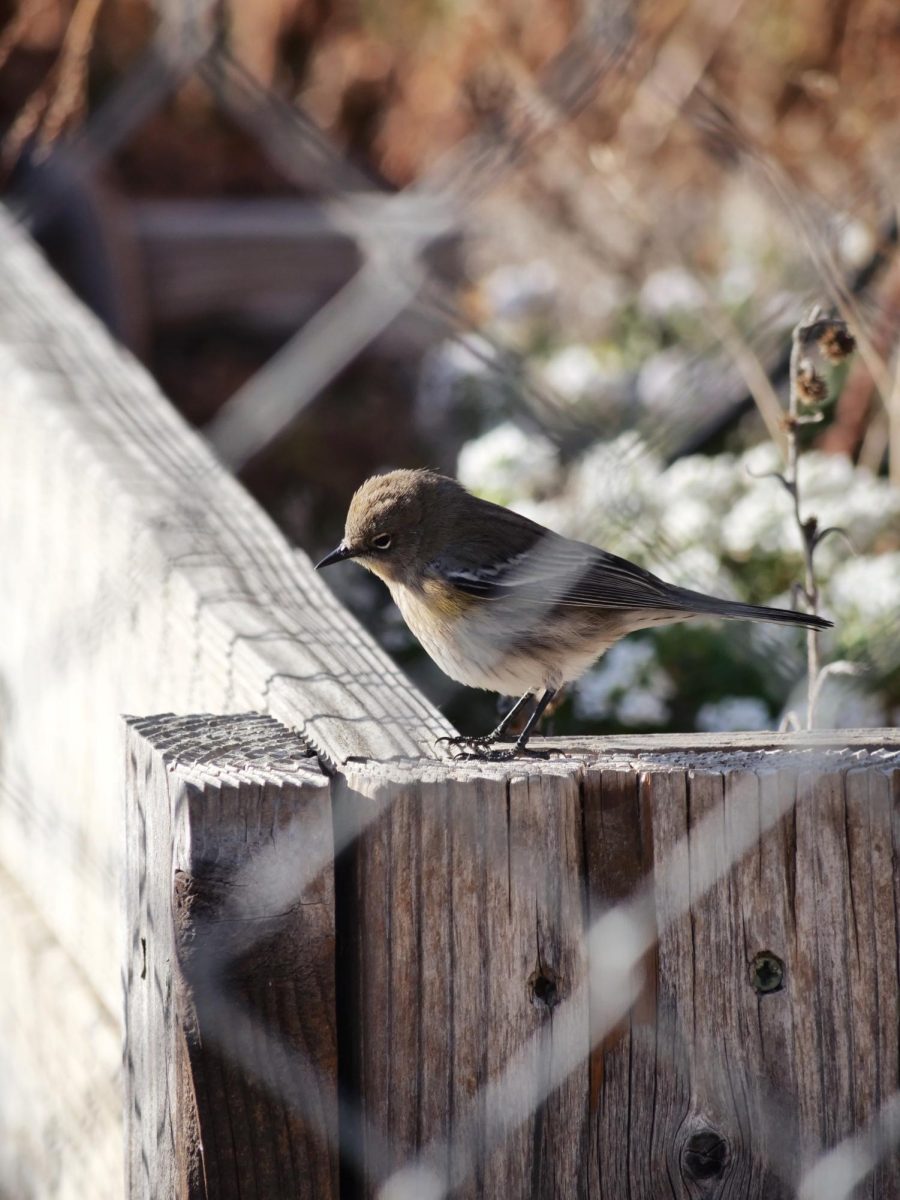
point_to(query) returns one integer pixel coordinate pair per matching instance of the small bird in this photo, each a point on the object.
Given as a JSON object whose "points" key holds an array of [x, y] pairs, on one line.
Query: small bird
{"points": [[499, 602]]}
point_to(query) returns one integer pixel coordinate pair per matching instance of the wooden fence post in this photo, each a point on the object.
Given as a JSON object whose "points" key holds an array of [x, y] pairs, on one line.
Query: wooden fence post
{"points": [[231, 1053], [646, 967]]}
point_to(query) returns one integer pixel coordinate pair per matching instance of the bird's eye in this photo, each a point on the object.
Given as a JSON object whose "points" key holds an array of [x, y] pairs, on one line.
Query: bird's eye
{"points": [[382, 541]]}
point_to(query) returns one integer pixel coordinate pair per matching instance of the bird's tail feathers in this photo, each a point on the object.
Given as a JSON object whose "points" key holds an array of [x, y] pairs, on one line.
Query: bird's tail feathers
{"points": [[735, 611]]}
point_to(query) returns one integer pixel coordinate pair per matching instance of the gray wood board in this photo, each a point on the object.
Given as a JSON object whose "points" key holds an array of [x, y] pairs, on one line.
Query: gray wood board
{"points": [[231, 1052]]}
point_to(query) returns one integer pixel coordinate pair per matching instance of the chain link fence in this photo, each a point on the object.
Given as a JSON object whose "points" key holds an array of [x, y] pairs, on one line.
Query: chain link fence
{"points": [[568, 184]]}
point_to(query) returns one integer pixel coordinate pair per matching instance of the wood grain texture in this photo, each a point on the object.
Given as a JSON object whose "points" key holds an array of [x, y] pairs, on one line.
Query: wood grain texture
{"points": [[466, 986], [470, 886], [728, 1090], [231, 1053], [468, 916]]}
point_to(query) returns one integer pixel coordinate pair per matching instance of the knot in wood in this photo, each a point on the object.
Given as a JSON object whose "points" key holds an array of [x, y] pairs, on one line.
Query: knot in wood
{"points": [[766, 972], [705, 1155], [542, 987]]}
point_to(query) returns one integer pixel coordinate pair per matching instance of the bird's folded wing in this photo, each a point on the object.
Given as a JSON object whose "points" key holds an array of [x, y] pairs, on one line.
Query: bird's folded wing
{"points": [[554, 570]]}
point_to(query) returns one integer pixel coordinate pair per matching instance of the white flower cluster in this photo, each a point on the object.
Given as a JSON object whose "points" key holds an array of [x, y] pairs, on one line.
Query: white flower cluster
{"points": [[508, 463], [627, 685], [671, 289], [573, 372], [868, 587], [863, 596], [734, 712], [713, 506], [839, 494]]}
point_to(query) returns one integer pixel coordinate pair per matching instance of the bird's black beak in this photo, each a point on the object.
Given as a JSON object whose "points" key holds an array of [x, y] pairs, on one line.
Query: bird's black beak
{"points": [[343, 551]]}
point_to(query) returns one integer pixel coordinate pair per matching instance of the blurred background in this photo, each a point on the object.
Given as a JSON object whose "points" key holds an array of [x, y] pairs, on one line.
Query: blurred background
{"points": [[555, 249]]}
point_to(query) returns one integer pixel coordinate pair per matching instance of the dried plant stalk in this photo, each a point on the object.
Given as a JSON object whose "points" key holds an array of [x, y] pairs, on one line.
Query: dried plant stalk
{"points": [[808, 391]]}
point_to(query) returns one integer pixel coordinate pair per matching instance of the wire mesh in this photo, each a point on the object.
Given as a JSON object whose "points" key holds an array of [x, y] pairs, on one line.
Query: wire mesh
{"points": [[526, 137]]}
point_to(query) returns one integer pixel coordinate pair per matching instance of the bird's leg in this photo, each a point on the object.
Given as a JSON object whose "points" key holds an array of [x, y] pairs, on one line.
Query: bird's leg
{"points": [[501, 729], [481, 741], [483, 750], [522, 739]]}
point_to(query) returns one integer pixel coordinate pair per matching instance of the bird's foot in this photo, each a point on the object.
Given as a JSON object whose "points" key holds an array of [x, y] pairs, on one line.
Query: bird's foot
{"points": [[510, 753], [463, 747], [462, 740], [484, 749]]}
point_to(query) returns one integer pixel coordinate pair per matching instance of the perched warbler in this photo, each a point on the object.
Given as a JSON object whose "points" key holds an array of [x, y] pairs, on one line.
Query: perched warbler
{"points": [[500, 602]]}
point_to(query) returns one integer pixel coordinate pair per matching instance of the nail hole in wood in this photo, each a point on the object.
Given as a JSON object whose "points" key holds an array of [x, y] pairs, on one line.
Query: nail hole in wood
{"points": [[705, 1155], [542, 987], [766, 972]]}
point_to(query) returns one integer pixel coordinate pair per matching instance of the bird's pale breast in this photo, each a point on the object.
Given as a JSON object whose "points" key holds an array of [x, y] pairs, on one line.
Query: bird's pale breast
{"points": [[484, 644]]}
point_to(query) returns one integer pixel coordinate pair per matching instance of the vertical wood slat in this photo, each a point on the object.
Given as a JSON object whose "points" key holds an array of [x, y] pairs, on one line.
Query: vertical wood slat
{"points": [[749, 1088], [231, 1053], [469, 909], [617, 858]]}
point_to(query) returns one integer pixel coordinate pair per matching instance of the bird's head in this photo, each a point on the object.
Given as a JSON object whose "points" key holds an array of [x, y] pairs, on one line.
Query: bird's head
{"points": [[396, 522]]}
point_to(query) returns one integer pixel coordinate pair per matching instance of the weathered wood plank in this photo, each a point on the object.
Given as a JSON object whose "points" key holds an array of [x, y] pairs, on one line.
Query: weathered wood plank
{"points": [[738, 1066], [467, 988], [231, 1047], [618, 857], [468, 906], [764, 891], [641, 1146], [777, 989]]}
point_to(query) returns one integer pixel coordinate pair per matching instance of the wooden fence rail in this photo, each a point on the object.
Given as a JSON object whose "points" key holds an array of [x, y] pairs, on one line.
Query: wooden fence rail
{"points": [[456, 977]]}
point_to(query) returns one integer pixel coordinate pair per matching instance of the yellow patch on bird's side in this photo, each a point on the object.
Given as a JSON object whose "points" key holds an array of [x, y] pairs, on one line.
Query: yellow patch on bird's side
{"points": [[450, 603]]}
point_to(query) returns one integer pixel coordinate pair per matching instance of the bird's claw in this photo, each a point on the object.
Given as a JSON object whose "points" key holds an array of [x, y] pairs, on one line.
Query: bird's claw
{"points": [[483, 749], [463, 747], [503, 754]]}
